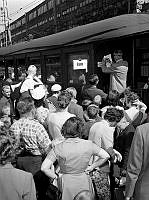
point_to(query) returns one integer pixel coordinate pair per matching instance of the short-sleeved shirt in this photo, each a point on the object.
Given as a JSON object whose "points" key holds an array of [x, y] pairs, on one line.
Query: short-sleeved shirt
{"points": [[56, 121], [102, 135], [28, 84], [34, 135]]}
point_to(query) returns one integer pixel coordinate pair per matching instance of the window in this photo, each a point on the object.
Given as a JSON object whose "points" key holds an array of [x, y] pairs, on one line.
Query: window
{"points": [[42, 9], [32, 15], [23, 20], [50, 4], [53, 67], [18, 23], [57, 2]]}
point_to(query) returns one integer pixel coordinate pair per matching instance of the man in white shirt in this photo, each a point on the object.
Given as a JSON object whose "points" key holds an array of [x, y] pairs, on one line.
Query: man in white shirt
{"points": [[31, 80], [118, 71]]}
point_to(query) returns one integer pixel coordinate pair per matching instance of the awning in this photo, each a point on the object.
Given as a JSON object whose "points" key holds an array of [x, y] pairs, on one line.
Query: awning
{"points": [[119, 26]]}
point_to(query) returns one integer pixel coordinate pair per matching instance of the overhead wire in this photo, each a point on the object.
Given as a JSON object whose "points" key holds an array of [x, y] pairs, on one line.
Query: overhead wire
{"points": [[25, 7]]}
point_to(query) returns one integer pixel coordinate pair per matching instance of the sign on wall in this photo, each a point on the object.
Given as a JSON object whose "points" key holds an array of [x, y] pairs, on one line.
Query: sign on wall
{"points": [[80, 64]]}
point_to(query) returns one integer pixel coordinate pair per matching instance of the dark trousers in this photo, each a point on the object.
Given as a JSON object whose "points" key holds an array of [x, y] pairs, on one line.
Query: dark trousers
{"points": [[30, 164]]}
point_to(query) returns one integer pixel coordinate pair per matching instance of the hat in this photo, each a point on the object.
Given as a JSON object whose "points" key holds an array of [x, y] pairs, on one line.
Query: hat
{"points": [[93, 105], [38, 92], [56, 88]]}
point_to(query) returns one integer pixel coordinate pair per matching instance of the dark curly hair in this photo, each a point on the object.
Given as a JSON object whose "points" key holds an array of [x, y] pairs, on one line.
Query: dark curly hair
{"points": [[72, 128], [9, 147], [64, 99], [93, 79], [113, 98], [113, 114], [132, 97]]}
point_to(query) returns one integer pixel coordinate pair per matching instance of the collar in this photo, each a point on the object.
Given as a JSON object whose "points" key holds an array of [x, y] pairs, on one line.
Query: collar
{"points": [[7, 166]]}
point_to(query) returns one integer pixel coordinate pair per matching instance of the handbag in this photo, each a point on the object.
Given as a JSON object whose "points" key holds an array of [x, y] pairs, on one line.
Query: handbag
{"points": [[53, 193]]}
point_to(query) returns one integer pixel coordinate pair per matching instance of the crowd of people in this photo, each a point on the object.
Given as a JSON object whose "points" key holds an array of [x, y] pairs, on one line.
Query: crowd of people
{"points": [[53, 148]]}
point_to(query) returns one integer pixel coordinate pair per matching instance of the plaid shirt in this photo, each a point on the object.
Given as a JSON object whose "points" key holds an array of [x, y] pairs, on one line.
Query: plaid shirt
{"points": [[34, 135]]}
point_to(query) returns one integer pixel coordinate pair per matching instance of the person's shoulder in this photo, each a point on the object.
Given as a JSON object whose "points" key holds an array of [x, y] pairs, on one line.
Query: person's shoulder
{"points": [[144, 127], [123, 63], [95, 126]]}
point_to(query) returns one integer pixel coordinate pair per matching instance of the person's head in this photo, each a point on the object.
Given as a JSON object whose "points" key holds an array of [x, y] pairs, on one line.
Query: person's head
{"points": [[56, 89], [38, 95], [22, 76], [32, 70], [6, 109], [117, 54], [93, 79], [6, 90], [113, 98], [72, 91], [131, 99], [92, 111], [84, 195], [51, 78], [113, 116], [123, 123], [86, 103], [64, 99], [72, 128], [9, 147], [97, 100], [25, 106]]}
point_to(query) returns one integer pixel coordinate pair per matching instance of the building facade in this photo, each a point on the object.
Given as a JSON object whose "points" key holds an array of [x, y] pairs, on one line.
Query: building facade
{"points": [[53, 16]]}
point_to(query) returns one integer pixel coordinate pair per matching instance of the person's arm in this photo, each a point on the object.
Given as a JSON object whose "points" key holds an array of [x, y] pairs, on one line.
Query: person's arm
{"points": [[43, 140], [127, 145], [134, 163], [103, 157], [47, 165], [29, 188], [108, 67]]}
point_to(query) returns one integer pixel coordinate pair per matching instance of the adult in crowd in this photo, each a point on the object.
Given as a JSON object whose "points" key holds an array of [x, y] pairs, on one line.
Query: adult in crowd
{"points": [[15, 184], [137, 177], [6, 99], [73, 155], [92, 116], [112, 101], [30, 82], [134, 106], [101, 133], [146, 85], [41, 112], [91, 91], [122, 143], [73, 107], [51, 101], [118, 71], [32, 134], [57, 119]]}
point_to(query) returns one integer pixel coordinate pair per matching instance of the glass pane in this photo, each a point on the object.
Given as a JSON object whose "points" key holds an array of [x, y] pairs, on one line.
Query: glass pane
{"points": [[53, 69]]}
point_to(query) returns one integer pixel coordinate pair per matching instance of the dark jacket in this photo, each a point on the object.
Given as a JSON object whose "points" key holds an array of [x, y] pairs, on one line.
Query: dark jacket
{"points": [[91, 92]]}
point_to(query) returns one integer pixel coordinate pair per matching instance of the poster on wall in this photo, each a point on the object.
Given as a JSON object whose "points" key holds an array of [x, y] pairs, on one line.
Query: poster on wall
{"points": [[80, 64]]}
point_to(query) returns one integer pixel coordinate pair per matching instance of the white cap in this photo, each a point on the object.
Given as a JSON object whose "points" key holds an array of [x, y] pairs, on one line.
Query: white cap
{"points": [[56, 88], [38, 92]]}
